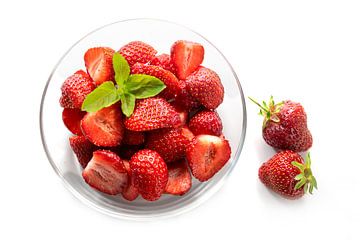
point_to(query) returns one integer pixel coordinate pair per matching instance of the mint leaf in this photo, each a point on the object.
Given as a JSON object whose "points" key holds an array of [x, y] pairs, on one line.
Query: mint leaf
{"points": [[121, 69], [144, 86], [127, 103], [103, 96]]}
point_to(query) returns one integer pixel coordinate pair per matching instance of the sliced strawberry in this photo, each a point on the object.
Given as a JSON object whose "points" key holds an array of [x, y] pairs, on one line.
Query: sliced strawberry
{"points": [[205, 86], [75, 88], [106, 172], [133, 138], [206, 155], [98, 62], [206, 122], [187, 57], [164, 61], [137, 51], [104, 128], [179, 181], [131, 192], [169, 143], [185, 100], [82, 148], [152, 113], [169, 79], [71, 118]]}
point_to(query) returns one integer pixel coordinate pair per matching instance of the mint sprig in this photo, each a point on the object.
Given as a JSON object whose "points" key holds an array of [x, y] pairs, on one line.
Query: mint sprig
{"points": [[128, 88]]}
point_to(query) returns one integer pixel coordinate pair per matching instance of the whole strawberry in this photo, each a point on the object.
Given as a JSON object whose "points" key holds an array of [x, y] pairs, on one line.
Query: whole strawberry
{"points": [[285, 125], [137, 51], [287, 174]]}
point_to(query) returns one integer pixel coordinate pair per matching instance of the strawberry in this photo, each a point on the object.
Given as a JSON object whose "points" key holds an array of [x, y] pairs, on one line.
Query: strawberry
{"points": [[71, 118], [285, 125], [152, 113], [137, 51], [287, 174], [206, 122], [183, 113], [82, 148], [130, 193], [187, 57], [150, 174], [164, 61], [126, 151], [206, 155], [169, 143], [133, 138], [179, 181], [106, 172], [98, 62], [185, 100], [104, 127], [75, 88], [205, 86]]}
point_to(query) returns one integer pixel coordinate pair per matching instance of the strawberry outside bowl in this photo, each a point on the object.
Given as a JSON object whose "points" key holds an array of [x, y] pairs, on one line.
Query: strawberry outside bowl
{"points": [[55, 137]]}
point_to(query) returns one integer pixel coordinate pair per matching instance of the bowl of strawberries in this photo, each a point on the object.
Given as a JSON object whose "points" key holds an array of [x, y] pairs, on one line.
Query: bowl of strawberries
{"points": [[143, 118]]}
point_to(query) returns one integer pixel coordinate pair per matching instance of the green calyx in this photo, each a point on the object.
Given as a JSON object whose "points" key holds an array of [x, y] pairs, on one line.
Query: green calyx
{"points": [[305, 178], [269, 110]]}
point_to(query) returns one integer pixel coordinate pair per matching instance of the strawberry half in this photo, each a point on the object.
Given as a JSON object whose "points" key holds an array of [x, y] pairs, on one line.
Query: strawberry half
{"points": [[150, 174], [205, 86], [187, 57], [75, 88], [106, 172], [98, 62], [152, 113], [133, 138], [130, 193], [169, 79], [137, 51], [179, 181], [206, 155], [164, 61], [104, 127], [82, 148], [206, 122], [71, 118]]}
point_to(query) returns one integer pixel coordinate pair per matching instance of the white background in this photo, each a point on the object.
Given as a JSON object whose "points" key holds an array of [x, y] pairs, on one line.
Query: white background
{"points": [[308, 51]]}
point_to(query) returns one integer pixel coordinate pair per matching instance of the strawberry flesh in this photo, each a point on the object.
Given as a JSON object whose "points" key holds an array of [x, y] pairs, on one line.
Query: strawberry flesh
{"points": [[130, 192], [98, 62], [179, 181]]}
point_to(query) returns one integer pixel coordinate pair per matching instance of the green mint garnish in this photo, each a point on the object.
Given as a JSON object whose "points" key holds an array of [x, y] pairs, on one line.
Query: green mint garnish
{"points": [[128, 88]]}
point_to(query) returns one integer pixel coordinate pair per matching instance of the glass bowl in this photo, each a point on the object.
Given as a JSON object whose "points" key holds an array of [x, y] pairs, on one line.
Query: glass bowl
{"points": [[160, 34]]}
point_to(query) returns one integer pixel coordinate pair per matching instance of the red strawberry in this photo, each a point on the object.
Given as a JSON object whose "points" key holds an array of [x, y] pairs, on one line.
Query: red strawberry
{"points": [[285, 125], [169, 143], [104, 127], [98, 62], [206, 155], [82, 148], [183, 113], [205, 86], [133, 138], [75, 88], [137, 51], [150, 174], [152, 113], [179, 181], [187, 57], [71, 118], [106, 172], [164, 61], [287, 174], [130, 193], [185, 100], [169, 79], [206, 122]]}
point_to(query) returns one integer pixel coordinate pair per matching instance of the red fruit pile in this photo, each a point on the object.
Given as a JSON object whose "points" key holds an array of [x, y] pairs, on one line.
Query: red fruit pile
{"points": [[167, 138]]}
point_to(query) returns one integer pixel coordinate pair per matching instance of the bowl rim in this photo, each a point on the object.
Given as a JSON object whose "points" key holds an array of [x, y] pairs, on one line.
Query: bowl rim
{"points": [[173, 212]]}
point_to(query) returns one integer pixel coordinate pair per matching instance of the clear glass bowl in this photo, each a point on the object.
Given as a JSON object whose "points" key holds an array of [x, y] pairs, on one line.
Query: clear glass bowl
{"points": [[160, 34]]}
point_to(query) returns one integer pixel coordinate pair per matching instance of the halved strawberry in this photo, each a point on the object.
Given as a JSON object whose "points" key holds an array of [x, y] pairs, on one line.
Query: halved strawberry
{"points": [[106, 172], [137, 51], [185, 100], [205, 86], [98, 62], [105, 127], [75, 88], [169, 79], [206, 155], [152, 113], [187, 57], [164, 61], [131, 192], [179, 181], [133, 138], [71, 118], [82, 148], [206, 122]]}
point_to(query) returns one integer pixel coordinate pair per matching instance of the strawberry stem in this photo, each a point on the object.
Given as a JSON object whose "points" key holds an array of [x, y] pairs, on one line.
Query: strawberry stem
{"points": [[269, 110], [305, 178]]}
